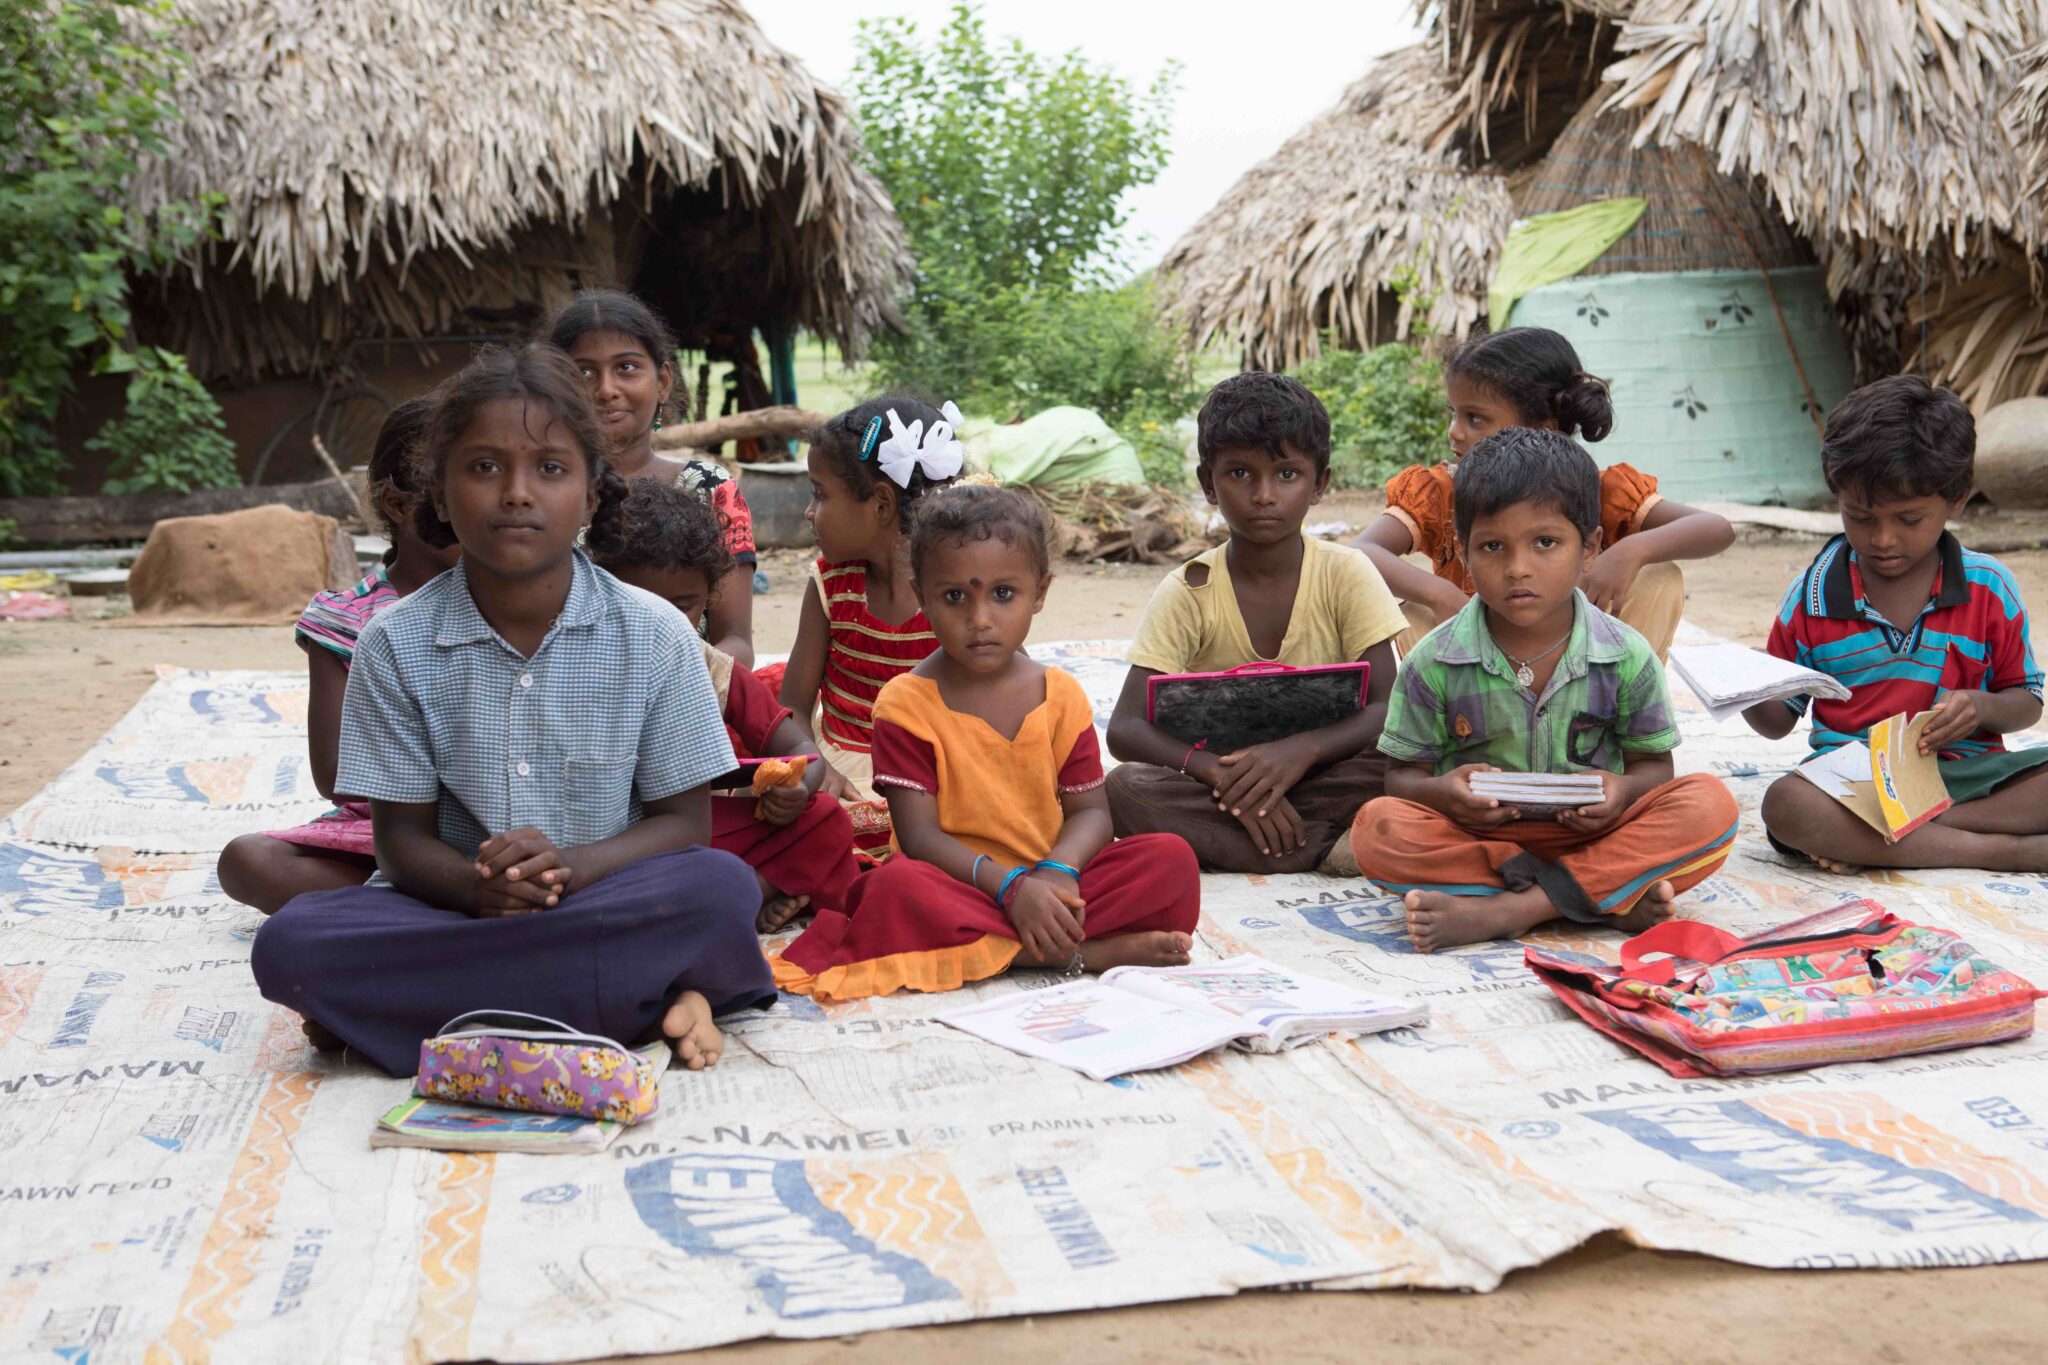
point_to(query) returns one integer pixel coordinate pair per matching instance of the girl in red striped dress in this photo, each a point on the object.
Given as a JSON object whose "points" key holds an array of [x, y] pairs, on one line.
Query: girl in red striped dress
{"points": [[861, 625]]}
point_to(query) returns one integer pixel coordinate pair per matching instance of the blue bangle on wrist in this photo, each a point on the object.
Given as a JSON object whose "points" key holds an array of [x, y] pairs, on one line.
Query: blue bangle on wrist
{"points": [[1044, 864], [1009, 880]]}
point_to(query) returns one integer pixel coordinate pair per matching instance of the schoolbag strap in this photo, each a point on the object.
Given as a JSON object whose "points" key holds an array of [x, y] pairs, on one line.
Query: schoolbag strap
{"points": [[1678, 938]]}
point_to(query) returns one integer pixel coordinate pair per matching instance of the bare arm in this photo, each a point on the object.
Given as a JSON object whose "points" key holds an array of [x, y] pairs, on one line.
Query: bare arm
{"points": [[1673, 531], [806, 671], [411, 853], [1642, 774], [790, 740], [327, 681], [915, 816], [729, 622], [1385, 542], [666, 826], [1771, 719], [2002, 713]]}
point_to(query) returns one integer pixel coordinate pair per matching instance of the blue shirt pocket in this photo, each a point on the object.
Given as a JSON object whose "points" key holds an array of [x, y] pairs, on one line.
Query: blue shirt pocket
{"points": [[597, 798]]}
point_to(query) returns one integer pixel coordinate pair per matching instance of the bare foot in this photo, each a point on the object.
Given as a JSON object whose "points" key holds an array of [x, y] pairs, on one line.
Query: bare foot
{"points": [[322, 1038], [1840, 869], [688, 1025], [1156, 948], [1653, 909], [778, 910], [1437, 921]]}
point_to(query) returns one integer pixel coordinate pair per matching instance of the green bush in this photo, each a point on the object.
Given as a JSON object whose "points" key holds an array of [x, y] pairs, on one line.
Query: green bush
{"points": [[82, 100], [1010, 171], [171, 438], [1386, 411]]}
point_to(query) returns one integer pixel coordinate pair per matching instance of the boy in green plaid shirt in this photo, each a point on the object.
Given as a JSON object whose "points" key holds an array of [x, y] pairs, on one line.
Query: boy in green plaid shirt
{"points": [[1531, 677]]}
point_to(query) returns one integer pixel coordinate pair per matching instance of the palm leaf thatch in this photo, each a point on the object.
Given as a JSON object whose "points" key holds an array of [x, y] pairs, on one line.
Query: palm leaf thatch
{"points": [[389, 167], [1519, 68], [1873, 121], [1315, 239], [1694, 217], [1383, 216]]}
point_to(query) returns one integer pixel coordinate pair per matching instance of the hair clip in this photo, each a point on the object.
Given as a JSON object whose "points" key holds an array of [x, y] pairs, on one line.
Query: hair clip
{"points": [[869, 437]]}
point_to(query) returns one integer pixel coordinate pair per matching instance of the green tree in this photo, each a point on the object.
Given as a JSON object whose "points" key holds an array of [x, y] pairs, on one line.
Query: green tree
{"points": [[1386, 410], [1010, 171], [82, 100]]}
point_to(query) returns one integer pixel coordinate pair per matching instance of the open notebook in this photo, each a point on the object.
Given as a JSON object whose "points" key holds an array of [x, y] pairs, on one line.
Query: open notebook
{"points": [[1729, 679], [1143, 1018]]}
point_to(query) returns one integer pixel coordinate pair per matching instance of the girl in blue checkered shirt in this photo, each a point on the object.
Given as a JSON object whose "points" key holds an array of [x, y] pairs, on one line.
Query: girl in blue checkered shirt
{"points": [[536, 741]]}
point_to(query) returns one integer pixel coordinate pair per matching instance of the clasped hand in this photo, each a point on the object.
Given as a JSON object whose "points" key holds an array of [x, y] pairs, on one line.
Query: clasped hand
{"points": [[1251, 786], [519, 872], [1048, 913]]}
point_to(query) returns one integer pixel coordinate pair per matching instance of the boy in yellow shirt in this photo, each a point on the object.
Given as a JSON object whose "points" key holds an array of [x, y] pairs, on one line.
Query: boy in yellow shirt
{"points": [[1267, 595]]}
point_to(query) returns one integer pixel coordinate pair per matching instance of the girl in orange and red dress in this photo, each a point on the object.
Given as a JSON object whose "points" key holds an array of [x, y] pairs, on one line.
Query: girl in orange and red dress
{"points": [[994, 779], [798, 840], [861, 625]]}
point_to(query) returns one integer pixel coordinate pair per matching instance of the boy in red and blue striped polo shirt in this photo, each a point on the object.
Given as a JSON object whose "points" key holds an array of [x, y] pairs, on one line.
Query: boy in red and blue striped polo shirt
{"points": [[1910, 621]]}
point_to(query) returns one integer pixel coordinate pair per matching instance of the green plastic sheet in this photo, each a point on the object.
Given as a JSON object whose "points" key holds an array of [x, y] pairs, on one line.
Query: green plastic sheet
{"points": [[1555, 246], [1058, 446]]}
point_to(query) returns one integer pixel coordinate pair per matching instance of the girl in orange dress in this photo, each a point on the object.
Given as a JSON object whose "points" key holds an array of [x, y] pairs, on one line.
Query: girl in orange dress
{"points": [[994, 779], [1531, 377], [861, 625]]}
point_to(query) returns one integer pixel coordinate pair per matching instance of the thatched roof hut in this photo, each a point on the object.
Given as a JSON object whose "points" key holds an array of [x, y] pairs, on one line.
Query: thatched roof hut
{"points": [[1382, 217], [408, 169], [1373, 194], [1895, 138], [1881, 131]]}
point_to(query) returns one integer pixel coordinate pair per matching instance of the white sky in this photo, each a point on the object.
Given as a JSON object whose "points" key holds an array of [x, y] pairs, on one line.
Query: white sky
{"points": [[1251, 73]]}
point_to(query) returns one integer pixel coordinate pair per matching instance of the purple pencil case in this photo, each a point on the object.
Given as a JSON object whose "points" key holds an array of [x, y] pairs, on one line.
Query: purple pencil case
{"points": [[509, 1060], [1255, 703]]}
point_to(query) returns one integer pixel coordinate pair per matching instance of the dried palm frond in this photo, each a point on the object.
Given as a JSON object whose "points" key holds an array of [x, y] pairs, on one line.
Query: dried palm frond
{"points": [[387, 166], [1876, 121], [1694, 218], [1519, 68], [1315, 238]]}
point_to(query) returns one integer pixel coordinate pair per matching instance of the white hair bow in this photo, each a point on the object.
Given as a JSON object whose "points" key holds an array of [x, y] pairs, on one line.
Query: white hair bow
{"points": [[937, 452]]}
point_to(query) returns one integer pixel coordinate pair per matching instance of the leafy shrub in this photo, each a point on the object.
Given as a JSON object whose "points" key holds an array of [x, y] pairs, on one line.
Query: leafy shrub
{"points": [[171, 438], [82, 100], [1386, 411]]}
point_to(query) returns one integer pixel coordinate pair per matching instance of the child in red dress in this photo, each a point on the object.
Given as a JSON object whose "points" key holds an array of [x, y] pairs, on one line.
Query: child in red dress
{"points": [[798, 840]]}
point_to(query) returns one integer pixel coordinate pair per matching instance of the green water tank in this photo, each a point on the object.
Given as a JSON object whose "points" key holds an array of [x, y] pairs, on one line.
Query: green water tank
{"points": [[1706, 396]]}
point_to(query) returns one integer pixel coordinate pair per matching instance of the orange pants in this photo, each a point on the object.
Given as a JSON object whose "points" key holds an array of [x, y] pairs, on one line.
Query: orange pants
{"points": [[1681, 833]]}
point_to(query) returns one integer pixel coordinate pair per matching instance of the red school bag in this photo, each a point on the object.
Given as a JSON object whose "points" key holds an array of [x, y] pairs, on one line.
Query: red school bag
{"points": [[1850, 984]]}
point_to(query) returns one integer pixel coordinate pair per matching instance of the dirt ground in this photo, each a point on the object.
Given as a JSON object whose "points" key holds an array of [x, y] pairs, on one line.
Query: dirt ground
{"points": [[66, 682]]}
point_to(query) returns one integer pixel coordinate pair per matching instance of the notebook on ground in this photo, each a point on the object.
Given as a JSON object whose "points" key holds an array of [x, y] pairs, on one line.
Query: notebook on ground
{"points": [[1729, 679], [446, 1127], [1254, 703], [1144, 1018]]}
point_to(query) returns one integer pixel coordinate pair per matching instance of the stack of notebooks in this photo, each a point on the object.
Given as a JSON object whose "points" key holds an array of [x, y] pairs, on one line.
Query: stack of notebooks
{"points": [[1540, 794], [1729, 679]]}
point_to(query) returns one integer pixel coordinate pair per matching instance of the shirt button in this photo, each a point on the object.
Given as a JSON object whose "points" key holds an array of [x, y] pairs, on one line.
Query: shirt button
{"points": [[524, 770], [526, 679]]}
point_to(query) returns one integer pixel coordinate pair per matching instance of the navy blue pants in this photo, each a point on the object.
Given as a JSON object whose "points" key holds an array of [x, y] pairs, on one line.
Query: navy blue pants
{"points": [[383, 971]]}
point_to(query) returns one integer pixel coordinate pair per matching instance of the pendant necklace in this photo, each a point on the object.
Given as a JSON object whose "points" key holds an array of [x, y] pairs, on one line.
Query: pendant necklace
{"points": [[1525, 671]]}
